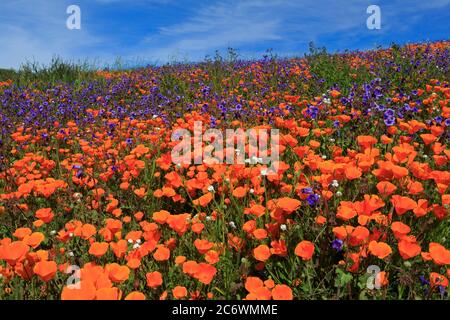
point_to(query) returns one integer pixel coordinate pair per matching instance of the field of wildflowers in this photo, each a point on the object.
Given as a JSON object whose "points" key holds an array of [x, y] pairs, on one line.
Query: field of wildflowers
{"points": [[93, 207]]}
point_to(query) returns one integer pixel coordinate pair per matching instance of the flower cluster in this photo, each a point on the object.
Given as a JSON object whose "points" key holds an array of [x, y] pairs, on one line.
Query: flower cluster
{"points": [[93, 207]]}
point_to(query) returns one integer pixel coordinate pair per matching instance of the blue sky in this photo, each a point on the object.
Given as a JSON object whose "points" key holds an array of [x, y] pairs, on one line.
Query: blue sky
{"points": [[158, 31]]}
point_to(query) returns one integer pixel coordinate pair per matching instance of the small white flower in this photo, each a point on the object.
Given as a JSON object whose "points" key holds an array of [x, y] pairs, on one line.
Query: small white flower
{"points": [[211, 189], [324, 157], [70, 254], [208, 218], [283, 227], [130, 240], [77, 196], [232, 225], [53, 232], [155, 116], [71, 234], [237, 151], [332, 140], [338, 194], [138, 241], [425, 156], [227, 180], [335, 184], [264, 172], [178, 165], [136, 246], [252, 190]]}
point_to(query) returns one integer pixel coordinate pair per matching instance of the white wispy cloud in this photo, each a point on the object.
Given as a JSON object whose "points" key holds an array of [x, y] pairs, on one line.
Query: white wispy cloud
{"points": [[36, 31], [253, 22]]}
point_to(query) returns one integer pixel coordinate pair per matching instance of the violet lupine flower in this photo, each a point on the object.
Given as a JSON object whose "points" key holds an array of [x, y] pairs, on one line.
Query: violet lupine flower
{"points": [[307, 190], [337, 245], [313, 199], [424, 281]]}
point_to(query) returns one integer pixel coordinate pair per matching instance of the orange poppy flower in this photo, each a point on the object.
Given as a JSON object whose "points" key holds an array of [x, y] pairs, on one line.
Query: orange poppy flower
{"points": [[204, 200], [98, 249], [257, 210], [45, 214], [205, 273], [135, 295], [359, 236], [382, 278], [34, 240], [403, 204], [161, 254], [379, 249], [288, 205], [134, 263], [437, 279], [203, 245], [108, 294], [20, 233], [253, 283], [87, 231], [85, 291], [428, 138], [400, 229], [160, 216], [190, 267], [239, 192], [366, 141], [261, 253], [386, 188], [261, 293], [282, 292], [119, 248], [180, 259], [260, 234], [212, 257], [422, 208], [154, 279], [140, 192], [197, 227], [305, 250], [179, 292], [46, 270], [439, 254], [117, 273], [13, 252], [346, 211], [408, 249], [353, 172]]}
